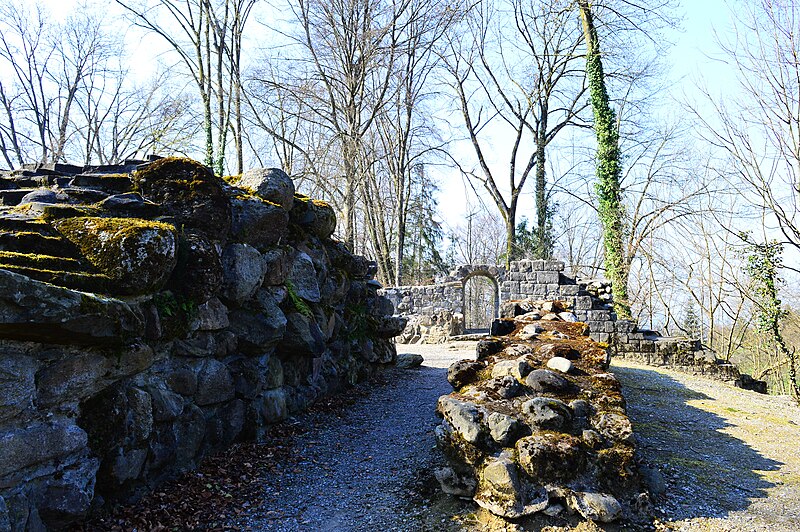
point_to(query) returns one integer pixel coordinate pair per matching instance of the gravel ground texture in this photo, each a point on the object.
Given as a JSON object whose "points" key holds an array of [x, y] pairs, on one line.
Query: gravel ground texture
{"points": [[726, 460], [368, 468]]}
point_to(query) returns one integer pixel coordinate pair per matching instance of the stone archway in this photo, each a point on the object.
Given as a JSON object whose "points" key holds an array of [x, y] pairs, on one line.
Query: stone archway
{"points": [[481, 301], [480, 292]]}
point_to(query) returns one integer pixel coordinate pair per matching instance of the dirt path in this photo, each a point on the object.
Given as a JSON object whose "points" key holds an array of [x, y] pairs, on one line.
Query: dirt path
{"points": [[369, 469], [730, 458]]}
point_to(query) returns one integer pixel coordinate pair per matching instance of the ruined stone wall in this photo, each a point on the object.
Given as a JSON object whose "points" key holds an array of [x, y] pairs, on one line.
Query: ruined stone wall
{"points": [[431, 316], [151, 314], [435, 309]]}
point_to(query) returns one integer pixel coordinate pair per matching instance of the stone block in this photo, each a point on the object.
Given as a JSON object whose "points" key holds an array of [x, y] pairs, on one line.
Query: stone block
{"points": [[214, 384], [272, 406], [626, 326], [647, 346], [609, 327], [554, 266], [17, 384], [38, 443], [569, 290], [583, 303], [547, 277]]}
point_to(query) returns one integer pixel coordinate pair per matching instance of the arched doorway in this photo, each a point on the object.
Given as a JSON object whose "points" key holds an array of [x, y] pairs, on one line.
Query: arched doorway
{"points": [[481, 301]]}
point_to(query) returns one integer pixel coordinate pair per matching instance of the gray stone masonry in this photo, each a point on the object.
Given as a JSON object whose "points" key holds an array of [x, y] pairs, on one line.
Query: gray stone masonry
{"points": [[590, 301]]}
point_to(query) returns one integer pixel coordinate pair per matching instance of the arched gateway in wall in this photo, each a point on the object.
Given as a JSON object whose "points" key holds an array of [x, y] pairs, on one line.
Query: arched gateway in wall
{"points": [[479, 308]]}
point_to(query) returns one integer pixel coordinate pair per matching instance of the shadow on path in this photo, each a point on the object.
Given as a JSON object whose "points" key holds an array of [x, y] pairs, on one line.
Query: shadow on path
{"points": [[708, 472]]}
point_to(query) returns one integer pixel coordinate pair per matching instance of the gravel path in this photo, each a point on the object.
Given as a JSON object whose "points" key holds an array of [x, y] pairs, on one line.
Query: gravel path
{"points": [[370, 469], [730, 458]]}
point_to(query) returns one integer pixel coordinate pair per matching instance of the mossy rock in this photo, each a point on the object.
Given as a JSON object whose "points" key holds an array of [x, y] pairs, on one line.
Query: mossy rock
{"points": [[189, 193], [139, 255], [315, 216], [271, 184]]}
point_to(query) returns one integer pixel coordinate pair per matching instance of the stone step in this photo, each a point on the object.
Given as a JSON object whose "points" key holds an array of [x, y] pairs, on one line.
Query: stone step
{"points": [[84, 195], [32, 242], [84, 282], [44, 262], [14, 221]]}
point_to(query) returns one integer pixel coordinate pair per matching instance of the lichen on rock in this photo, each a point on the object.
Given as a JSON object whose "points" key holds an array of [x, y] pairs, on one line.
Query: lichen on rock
{"points": [[536, 438], [137, 254]]}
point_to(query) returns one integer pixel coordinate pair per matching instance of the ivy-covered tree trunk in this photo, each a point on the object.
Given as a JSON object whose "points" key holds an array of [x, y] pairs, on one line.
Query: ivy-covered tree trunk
{"points": [[609, 169], [763, 263], [544, 213]]}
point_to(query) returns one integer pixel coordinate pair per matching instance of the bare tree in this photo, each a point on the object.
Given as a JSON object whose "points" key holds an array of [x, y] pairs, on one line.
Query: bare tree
{"points": [[518, 72], [758, 133], [206, 35]]}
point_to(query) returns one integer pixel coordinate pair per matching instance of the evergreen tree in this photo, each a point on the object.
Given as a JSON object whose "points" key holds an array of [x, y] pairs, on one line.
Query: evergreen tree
{"points": [[691, 326]]}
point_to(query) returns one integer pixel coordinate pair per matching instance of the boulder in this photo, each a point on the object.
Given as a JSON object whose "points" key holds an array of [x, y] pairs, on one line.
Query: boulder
{"points": [[544, 380], [454, 483], [258, 331], [270, 184], [257, 222], [17, 384], [595, 506], [465, 418], [198, 273], [546, 413], [504, 428], [519, 369], [35, 311], [189, 193], [214, 384], [303, 278], [501, 490], [243, 272], [138, 255], [464, 372], [409, 360], [559, 364], [303, 337], [211, 316], [316, 216], [549, 457], [278, 265]]}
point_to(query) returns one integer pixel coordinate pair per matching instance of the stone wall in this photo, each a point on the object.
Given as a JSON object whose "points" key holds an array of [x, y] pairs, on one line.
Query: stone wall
{"points": [[151, 314], [588, 301], [525, 279], [537, 425]]}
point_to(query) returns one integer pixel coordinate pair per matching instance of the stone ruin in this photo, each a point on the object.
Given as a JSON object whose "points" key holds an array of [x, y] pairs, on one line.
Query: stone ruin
{"points": [[537, 425], [152, 313], [434, 314]]}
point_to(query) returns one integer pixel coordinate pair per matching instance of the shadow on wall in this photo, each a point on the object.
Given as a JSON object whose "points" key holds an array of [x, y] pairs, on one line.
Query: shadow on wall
{"points": [[708, 473]]}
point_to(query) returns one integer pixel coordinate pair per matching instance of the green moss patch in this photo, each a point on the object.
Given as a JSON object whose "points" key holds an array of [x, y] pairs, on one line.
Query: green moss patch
{"points": [[138, 254]]}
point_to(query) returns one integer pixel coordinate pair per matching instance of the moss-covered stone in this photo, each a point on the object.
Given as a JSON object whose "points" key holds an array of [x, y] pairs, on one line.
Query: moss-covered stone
{"points": [[316, 216], [189, 193], [139, 255]]}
